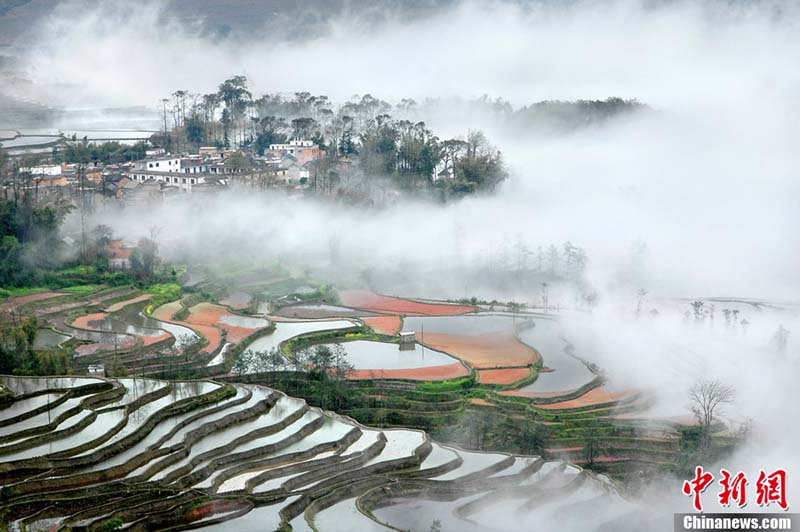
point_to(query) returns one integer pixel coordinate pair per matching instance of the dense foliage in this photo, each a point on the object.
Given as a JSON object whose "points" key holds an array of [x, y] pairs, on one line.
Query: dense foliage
{"points": [[82, 151], [18, 353], [365, 138]]}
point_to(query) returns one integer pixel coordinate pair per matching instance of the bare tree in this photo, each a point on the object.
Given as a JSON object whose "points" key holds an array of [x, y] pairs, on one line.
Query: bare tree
{"points": [[545, 295], [780, 339], [697, 308], [640, 295], [708, 397]]}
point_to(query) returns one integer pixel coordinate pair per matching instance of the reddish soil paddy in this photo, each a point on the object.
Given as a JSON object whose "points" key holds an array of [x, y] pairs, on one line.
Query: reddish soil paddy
{"points": [[97, 347], [138, 299], [364, 299], [480, 402], [539, 395], [432, 373], [213, 508], [384, 324], [150, 340], [212, 334], [30, 298], [89, 321], [502, 376], [600, 460], [237, 300], [166, 311], [86, 321], [680, 420], [211, 315], [595, 396], [494, 350]]}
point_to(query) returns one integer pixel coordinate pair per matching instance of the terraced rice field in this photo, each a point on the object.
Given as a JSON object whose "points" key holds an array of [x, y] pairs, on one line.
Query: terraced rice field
{"points": [[191, 454], [133, 313], [366, 300], [213, 334], [469, 325], [285, 330], [237, 327], [594, 397], [366, 355], [566, 372], [237, 300], [502, 376], [494, 350], [128, 302], [102, 322], [482, 341], [49, 339], [313, 311], [389, 325]]}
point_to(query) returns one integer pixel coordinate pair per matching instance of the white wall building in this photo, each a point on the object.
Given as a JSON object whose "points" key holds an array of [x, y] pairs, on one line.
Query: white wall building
{"points": [[292, 145], [162, 164], [176, 179], [49, 170]]}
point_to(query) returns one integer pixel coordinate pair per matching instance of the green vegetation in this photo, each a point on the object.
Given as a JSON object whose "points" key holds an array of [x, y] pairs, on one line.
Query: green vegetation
{"points": [[293, 345], [22, 291], [18, 355], [111, 525], [463, 383], [82, 151], [163, 293], [82, 288], [28, 234], [32, 254]]}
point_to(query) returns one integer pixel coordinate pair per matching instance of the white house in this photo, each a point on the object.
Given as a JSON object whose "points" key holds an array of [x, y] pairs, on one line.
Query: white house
{"points": [[161, 164], [53, 170], [183, 181], [302, 150]]}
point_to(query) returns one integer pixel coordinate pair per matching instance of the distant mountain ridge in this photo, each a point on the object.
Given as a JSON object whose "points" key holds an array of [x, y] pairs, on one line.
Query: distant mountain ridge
{"points": [[231, 18]]}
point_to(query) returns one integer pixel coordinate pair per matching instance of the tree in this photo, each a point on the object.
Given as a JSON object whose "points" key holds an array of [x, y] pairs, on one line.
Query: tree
{"points": [[191, 345], [554, 260], [144, 258], [100, 237], [195, 130], [545, 295], [167, 139], [780, 339], [208, 107], [328, 366], [697, 309], [708, 398], [591, 448], [304, 128], [11, 267], [482, 165], [117, 368], [640, 295], [17, 352], [270, 130], [234, 94], [238, 162]]}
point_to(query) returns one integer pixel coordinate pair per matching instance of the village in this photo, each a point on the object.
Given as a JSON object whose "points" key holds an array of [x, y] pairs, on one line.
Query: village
{"points": [[163, 176]]}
